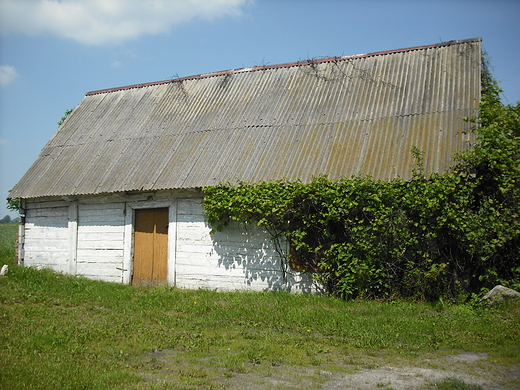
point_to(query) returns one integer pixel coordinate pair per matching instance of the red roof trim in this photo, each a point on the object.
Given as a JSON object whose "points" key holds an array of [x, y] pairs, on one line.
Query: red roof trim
{"points": [[286, 65]]}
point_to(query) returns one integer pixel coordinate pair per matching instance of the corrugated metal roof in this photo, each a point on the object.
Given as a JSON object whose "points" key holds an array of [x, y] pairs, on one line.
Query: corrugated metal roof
{"points": [[341, 116]]}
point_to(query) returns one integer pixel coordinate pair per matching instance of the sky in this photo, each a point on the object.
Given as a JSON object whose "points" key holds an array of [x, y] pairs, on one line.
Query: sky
{"points": [[52, 52]]}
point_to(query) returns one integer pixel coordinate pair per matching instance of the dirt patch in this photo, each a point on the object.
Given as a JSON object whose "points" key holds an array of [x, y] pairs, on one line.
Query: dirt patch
{"points": [[370, 373]]}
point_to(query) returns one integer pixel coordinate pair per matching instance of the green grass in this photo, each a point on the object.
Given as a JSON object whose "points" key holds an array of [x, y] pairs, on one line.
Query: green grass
{"points": [[7, 243], [66, 332], [454, 384]]}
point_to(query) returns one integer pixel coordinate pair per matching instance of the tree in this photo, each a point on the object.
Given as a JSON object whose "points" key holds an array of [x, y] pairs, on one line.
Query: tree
{"points": [[6, 219], [13, 204]]}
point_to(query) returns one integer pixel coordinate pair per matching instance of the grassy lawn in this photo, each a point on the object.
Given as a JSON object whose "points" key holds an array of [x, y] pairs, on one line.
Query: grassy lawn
{"points": [[63, 332]]}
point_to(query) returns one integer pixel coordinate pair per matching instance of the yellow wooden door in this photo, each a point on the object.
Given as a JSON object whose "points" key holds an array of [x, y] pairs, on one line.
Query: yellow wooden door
{"points": [[151, 246]]}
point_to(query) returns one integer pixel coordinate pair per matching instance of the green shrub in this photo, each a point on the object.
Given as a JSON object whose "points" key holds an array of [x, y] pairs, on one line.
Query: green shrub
{"points": [[447, 235]]}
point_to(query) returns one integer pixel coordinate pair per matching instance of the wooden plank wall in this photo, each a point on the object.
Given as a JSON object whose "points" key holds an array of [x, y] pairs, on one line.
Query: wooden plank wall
{"points": [[237, 258], [87, 241], [91, 236], [46, 234], [100, 240]]}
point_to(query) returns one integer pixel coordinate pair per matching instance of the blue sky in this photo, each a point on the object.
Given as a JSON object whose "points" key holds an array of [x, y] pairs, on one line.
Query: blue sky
{"points": [[52, 52]]}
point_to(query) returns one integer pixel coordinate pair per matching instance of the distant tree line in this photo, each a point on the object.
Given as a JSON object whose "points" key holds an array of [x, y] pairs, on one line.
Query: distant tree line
{"points": [[8, 219]]}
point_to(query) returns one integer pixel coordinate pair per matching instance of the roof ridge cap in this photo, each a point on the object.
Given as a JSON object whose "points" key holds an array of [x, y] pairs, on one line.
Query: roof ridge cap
{"points": [[284, 65]]}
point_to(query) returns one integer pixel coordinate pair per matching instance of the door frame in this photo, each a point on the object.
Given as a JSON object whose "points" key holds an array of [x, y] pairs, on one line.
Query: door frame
{"points": [[128, 245]]}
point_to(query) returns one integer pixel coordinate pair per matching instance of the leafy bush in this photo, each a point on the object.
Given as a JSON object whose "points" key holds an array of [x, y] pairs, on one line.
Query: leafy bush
{"points": [[447, 235]]}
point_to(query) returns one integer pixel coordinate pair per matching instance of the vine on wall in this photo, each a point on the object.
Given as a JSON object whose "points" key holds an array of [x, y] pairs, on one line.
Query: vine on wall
{"points": [[443, 236]]}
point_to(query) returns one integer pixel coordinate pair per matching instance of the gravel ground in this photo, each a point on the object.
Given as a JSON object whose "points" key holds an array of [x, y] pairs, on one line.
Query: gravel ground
{"points": [[372, 373]]}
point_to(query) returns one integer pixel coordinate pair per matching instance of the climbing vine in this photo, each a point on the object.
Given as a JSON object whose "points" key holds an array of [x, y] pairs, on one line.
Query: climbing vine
{"points": [[441, 236]]}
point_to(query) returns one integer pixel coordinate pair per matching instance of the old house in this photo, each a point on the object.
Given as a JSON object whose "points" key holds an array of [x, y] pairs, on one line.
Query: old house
{"points": [[116, 193]]}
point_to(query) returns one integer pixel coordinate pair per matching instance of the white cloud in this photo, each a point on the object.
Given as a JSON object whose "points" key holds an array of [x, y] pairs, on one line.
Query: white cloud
{"points": [[116, 64], [100, 22], [7, 75]]}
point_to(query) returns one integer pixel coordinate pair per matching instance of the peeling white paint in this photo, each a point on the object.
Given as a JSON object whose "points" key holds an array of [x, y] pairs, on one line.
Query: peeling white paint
{"points": [[93, 237]]}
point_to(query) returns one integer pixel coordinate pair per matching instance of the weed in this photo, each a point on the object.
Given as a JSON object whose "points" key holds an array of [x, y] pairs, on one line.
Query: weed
{"points": [[315, 361], [454, 384]]}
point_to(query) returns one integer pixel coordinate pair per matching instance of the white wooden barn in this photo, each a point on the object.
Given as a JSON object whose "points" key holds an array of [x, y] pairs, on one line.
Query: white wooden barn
{"points": [[116, 193]]}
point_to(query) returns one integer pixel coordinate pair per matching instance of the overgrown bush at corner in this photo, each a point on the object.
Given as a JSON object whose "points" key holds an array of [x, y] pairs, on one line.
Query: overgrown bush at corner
{"points": [[443, 236], [491, 172]]}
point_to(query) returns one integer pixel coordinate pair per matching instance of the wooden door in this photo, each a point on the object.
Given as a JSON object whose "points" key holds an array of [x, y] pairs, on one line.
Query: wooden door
{"points": [[151, 246]]}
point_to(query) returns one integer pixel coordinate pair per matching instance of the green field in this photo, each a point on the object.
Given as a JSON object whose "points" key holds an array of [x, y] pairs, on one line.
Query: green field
{"points": [[63, 332]]}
